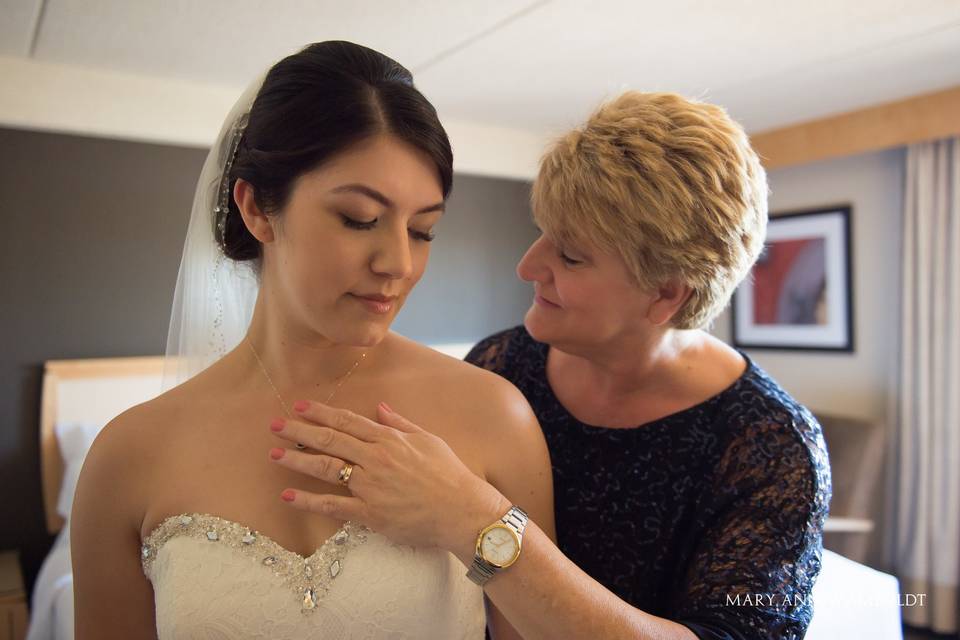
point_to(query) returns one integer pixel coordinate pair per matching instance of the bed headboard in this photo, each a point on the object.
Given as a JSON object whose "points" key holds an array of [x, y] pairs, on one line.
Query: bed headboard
{"points": [[95, 391]]}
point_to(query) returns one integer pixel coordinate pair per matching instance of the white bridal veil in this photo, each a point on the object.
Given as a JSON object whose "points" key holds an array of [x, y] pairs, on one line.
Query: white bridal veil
{"points": [[214, 297]]}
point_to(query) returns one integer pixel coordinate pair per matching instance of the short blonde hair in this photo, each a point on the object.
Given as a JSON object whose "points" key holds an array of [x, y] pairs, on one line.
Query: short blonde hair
{"points": [[671, 185]]}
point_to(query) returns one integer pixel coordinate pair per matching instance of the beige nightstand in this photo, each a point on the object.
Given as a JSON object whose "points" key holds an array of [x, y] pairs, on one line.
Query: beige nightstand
{"points": [[13, 600]]}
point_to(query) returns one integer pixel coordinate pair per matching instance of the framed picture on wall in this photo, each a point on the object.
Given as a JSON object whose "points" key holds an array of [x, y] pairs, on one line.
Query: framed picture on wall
{"points": [[799, 294]]}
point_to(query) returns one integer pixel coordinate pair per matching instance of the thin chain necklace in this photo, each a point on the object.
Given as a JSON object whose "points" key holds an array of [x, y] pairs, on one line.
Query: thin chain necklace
{"points": [[283, 404]]}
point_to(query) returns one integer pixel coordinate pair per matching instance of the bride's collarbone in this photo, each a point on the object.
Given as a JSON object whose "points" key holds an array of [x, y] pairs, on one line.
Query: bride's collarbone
{"points": [[206, 472]]}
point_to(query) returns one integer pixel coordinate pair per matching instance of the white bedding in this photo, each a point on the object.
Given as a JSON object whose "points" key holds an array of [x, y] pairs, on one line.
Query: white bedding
{"points": [[51, 616], [851, 600]]}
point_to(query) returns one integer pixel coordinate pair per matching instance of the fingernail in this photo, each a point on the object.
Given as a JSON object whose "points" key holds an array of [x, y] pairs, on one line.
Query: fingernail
{"points": [[278, 424], [276, 453], [386, 407], [288, 495], [300, 405]]}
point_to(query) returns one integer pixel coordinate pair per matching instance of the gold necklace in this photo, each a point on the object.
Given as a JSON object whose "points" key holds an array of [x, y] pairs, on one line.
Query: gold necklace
{"points": [[283, 404]]}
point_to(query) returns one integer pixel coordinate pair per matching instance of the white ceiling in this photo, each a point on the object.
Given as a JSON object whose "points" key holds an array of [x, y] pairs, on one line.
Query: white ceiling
{"points": [[509, 69]]}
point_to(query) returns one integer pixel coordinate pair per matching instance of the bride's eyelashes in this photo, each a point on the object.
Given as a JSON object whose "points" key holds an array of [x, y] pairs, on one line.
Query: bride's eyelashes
{"points": [[350, 223]]}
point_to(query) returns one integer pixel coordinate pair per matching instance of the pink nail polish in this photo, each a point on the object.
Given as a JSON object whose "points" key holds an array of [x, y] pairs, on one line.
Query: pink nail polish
{"points": [[278, 424], [300, 405], [277, 453], [288, 495], [386, 407]]}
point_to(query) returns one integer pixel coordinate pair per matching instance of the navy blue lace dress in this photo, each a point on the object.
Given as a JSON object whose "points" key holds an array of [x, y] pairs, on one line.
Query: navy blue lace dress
{"points": [[711, 517]]}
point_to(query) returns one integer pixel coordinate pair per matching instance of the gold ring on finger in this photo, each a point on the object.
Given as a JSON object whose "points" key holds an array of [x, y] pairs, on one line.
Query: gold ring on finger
{"points": [[344, 476]]}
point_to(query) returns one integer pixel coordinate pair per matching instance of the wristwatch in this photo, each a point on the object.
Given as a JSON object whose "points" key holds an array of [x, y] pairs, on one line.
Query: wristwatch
{"points": [[498, 545]]}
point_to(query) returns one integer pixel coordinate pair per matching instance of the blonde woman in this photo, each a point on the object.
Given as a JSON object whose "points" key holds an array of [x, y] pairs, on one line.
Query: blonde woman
{"points": [[690, 488]]}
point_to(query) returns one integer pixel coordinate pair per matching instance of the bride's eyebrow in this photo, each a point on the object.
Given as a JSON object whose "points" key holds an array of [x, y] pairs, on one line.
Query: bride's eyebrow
{"points": [[373, 194]]}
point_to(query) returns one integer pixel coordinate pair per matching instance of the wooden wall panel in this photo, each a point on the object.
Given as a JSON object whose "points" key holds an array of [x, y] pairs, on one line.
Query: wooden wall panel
{"points": [[925, 117]]}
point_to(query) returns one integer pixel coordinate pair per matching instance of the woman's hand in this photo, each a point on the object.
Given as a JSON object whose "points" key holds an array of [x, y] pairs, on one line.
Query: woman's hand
{"points": [[406, 482]]}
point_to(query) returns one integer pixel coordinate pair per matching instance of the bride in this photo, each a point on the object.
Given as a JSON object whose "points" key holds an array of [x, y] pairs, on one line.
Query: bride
{"points": [[311, 225]]}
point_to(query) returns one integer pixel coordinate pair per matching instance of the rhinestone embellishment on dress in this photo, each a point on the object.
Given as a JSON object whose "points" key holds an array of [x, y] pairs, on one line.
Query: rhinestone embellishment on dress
{"points": [[309, 598], [292, 568]]}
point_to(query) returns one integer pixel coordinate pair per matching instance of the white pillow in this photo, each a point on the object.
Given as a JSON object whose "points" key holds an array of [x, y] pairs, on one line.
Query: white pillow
{"points": [[74, 439]]}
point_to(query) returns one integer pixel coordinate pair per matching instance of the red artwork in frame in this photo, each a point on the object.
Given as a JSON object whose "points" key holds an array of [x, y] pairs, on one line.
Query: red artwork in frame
{"points": [[798, 294]]}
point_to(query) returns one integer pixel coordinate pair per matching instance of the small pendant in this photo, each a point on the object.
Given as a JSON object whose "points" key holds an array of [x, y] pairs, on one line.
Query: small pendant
{"points": [[309, 598]]}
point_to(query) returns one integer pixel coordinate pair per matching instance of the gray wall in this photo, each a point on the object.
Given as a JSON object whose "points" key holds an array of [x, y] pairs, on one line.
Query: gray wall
{"points": [[861, 384], [470, 288], [93, 231]]}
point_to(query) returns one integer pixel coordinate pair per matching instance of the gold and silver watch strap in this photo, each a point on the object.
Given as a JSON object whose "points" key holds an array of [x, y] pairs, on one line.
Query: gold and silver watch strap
{"points": [[516, 519], [481, 570]]}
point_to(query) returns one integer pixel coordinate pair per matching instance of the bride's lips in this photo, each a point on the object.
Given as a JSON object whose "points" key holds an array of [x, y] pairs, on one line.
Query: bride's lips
{"points": [[376, 303]]}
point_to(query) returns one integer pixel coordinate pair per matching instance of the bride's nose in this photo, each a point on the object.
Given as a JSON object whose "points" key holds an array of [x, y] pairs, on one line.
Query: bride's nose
{"points": [[392, 257]]}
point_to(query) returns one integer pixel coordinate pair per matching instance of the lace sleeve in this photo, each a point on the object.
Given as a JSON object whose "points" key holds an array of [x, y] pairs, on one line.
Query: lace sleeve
{"points": [[490, 352], [753, 571]]}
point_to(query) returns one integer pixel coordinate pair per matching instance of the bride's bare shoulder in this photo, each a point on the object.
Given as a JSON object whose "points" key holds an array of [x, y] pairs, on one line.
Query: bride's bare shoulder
{"points": [[461, 386], [120, 463], [138, 444], [425, 361], [476, 411], [138, 428]]}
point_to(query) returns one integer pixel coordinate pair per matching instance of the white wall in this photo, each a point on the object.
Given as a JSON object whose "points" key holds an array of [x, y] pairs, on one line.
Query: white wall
{"points": [[861, 384]]}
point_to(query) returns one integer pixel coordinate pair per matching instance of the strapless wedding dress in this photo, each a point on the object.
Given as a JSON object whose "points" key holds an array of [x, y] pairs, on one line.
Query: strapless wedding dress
{"points": [[216, 579]]}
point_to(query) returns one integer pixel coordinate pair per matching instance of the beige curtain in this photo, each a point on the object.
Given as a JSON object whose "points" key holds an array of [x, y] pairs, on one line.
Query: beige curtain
{"points": [[926, 535]]}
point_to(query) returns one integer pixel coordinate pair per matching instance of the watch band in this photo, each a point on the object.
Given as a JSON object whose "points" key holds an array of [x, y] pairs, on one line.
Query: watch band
{"points": [[516, 518], [481, 570]]}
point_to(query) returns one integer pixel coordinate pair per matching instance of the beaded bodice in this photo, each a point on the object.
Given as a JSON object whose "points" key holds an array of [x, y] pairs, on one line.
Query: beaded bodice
{"points": [[216, 578]]}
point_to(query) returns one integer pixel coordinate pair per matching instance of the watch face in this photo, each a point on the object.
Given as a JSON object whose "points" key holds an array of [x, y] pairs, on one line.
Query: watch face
{"points": [[499, 546]]}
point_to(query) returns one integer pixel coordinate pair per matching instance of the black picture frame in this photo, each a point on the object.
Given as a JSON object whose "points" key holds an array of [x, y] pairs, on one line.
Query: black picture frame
{"points": [[774, 309]]}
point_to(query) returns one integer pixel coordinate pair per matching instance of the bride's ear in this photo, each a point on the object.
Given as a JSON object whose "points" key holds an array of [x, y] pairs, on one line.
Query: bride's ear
{"points": [[258, 223]]}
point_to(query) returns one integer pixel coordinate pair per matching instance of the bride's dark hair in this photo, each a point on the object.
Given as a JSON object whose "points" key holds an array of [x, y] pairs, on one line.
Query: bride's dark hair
{"points": [[312, 105]]}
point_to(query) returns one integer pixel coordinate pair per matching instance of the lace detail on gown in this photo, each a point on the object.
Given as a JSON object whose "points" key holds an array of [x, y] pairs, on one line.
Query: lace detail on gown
{"points": [[214, 578]]}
